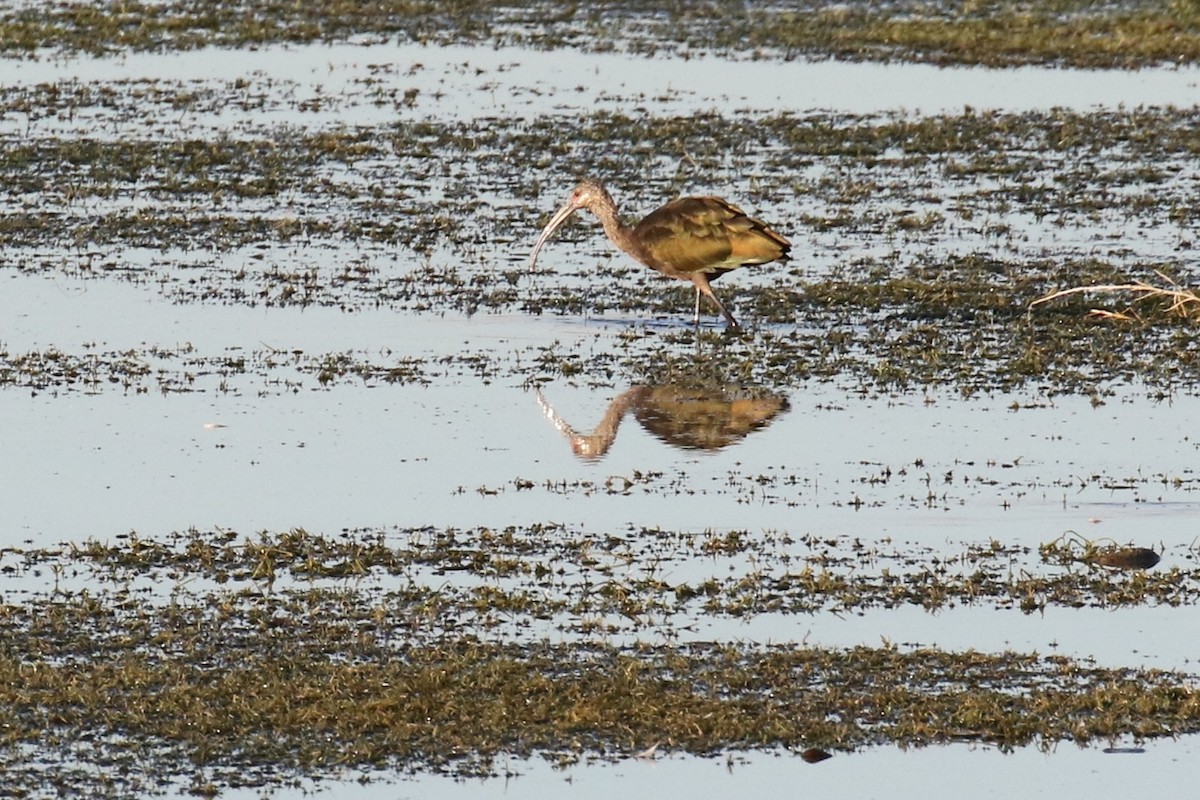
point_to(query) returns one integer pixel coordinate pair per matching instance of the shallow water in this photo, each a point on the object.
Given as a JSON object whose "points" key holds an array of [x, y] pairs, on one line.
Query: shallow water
{"points": [[1019, 468], [459, 82], [271, 447], [952, 771], [933, 470]]}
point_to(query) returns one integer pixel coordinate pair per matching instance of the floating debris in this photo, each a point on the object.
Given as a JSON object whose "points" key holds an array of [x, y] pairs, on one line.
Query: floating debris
{"points": [[1127, 558], [649, 754], [1072, 547], [815, 755]]}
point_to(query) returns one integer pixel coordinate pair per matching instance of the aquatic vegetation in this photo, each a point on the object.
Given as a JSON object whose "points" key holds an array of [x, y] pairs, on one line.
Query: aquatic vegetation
{"points": [[925, 312], [928, 249], [240, 659], [996, 34]]}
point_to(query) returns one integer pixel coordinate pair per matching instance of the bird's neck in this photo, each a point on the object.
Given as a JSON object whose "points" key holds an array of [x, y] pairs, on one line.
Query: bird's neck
{"points": [[618, 232]]}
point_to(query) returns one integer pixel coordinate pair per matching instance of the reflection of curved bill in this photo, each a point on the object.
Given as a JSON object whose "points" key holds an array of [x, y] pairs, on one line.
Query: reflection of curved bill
{"points": [[684, 417], [594, 445]]}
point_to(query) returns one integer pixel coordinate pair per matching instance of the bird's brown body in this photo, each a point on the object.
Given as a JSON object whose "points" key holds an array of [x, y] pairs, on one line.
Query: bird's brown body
{"points": [[695, 239]]}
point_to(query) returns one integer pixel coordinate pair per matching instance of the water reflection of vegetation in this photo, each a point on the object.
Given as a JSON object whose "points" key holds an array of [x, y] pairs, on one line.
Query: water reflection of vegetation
{"points": [[684, 416], [231, 660]]}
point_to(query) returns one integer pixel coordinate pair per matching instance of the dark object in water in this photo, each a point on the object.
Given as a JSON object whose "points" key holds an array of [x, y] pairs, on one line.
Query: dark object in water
{"points": [[814, 755], [1127, 558]]}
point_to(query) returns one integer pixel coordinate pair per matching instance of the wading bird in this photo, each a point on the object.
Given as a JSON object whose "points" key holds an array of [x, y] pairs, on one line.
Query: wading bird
{"points": [[695, 239]]}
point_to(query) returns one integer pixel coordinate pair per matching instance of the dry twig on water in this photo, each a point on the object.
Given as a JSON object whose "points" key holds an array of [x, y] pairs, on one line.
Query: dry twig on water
{"points": [[1184, 302]]}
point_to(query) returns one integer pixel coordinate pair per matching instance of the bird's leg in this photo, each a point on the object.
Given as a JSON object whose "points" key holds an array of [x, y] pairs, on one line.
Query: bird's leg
{"points": [[701, 282]]}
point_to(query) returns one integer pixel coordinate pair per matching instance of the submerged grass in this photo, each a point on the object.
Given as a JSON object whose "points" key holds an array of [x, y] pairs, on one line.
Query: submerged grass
{"points": [[295, 218], [964, 324], [458, 708], [548, 564], [996, 34], [284, 655]]}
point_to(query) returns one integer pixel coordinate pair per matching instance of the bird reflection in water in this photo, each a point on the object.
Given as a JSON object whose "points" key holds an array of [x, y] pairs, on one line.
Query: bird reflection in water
{"points": [[690, 418]]}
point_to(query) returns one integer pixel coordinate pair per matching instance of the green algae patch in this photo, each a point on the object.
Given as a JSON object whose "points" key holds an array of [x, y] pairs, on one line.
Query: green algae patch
{"points": [[994, 34], [216, 660]]}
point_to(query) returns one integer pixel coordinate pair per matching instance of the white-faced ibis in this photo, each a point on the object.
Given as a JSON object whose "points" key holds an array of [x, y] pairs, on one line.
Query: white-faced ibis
{"points": [[695, 239]]}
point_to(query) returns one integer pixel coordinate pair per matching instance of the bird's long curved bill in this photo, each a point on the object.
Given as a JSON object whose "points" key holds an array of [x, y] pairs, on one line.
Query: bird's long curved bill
{"points": [[560, 216]]}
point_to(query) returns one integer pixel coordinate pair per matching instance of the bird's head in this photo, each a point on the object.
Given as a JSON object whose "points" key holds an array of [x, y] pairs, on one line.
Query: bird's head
{"points": [[587, 194]]}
